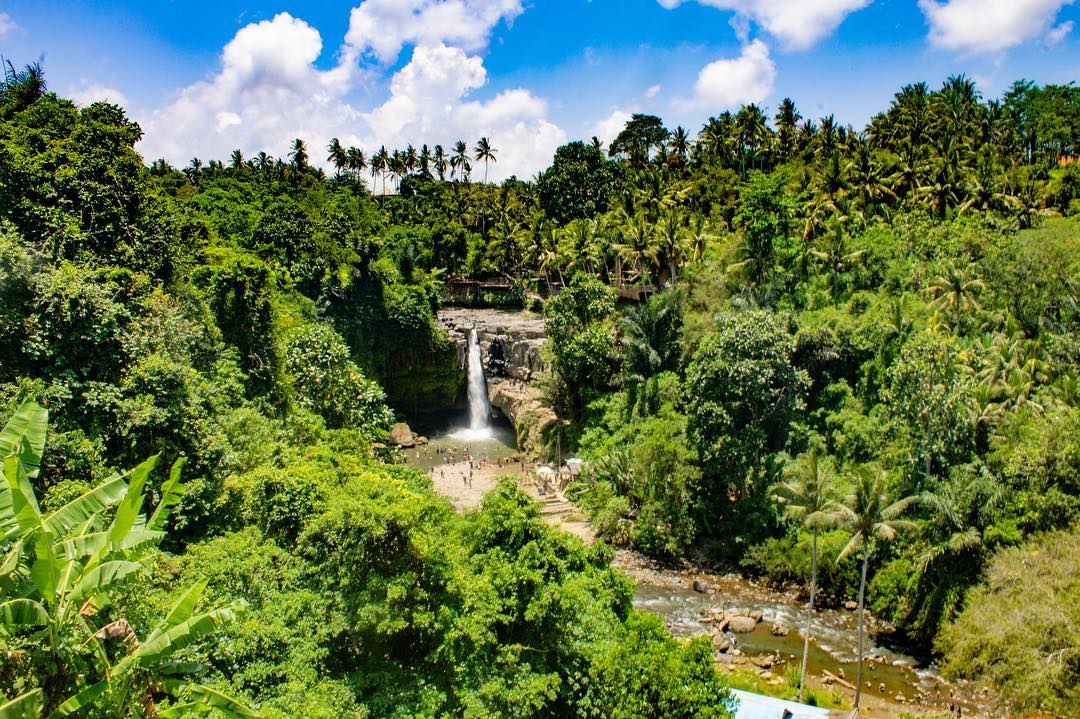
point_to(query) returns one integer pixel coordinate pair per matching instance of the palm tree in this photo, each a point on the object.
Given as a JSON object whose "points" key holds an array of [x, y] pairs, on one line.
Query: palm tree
{"points": [[356, 162], [672, 242], [263, 162], [872, 520], [379, 164], [338, 156], [194, 171], [787, 125], [486, 153], [424, 160], [459, 161], [954, 292], [236, 160], [679, 144], [638, 244], [648, 344], [299, 154], [439, 162], [410, 159], [809, 498]]}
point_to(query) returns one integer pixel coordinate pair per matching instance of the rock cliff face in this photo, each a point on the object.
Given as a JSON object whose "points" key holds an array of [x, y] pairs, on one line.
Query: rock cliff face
{"points": [[510, 342], [511, 345]]}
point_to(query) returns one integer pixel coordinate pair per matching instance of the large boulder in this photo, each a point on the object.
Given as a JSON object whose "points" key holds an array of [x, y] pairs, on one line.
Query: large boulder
{"points": [[402, 435], [742, 625]]}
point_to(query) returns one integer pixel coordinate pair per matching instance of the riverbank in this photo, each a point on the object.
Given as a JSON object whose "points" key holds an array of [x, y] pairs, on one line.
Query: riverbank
{"points": [[695, 600]]}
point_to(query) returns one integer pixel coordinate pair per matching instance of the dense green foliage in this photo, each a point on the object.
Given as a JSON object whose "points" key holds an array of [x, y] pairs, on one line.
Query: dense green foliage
{"points": [[1021, 628], [899, 302], [244, 318]]}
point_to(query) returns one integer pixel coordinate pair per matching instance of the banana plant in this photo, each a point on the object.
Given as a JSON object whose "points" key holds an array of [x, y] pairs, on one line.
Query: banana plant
{"points": [[59, 570]]}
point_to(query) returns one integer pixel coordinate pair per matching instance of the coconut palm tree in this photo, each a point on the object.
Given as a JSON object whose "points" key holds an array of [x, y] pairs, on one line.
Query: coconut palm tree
{"points": [[236, 160], [638, 245], [672, 242], [679, 144], [872, 520], [424, 160], [194, 171], [439, 161], [787, 126], [486, 153], [954, 292], [337, 155], [459, 161], [299, 154], [809, 498], [380, 162], [648, 344], [356, 161]]}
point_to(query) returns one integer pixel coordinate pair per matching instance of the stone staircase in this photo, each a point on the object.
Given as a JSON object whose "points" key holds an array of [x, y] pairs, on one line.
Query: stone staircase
{"points": [[560, 512]]}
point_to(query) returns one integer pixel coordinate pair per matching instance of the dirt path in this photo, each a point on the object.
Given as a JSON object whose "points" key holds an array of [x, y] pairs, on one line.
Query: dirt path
{"points": [[452, 481]]}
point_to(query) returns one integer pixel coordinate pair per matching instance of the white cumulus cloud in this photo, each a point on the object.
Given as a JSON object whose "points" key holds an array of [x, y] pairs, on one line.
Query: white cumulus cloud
{"points": [[609, 128], [987, 26], [798, 23], [6, 24], [269, 90], [93, 92], [383, 27], [429, 103], [730, 82]]}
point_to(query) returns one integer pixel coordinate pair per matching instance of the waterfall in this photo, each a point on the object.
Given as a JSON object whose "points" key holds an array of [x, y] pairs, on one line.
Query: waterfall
{"points": [[479, 406]]}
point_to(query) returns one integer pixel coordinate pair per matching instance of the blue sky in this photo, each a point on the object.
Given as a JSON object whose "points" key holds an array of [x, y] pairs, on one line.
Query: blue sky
{"points": [[203, 77]]}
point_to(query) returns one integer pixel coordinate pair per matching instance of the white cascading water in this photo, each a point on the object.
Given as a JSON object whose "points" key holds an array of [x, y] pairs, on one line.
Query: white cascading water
{"points": [[479, 406]]}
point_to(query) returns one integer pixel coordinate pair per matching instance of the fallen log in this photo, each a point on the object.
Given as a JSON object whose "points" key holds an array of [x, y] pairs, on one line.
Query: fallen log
{"points": [[842, 682]]}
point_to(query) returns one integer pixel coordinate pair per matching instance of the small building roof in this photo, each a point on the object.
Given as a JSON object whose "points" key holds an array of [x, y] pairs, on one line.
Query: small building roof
{"points": [[759, 706]]}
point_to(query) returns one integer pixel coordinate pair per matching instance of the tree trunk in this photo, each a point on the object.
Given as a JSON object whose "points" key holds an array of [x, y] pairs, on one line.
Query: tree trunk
{"points": [[809, 617], [862, 598]]}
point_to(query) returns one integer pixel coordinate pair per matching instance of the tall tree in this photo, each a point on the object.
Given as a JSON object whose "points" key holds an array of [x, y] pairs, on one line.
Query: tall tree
{"points": [[337, 155], [787, 126], [299, 154], [809, 498], [873, 520], [485, 153]]}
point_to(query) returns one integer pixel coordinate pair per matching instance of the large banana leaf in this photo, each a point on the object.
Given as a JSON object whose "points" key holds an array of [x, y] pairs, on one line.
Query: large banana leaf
{"points": [[91, 544], [86, 506], [102, 577], [171, 494], [23, 613], [30, 423], [83, 700], [181, 635], [26, 706], [19, 513], [181, 611], [47, 572], [128, 510], [10, 562], [207, 700]]}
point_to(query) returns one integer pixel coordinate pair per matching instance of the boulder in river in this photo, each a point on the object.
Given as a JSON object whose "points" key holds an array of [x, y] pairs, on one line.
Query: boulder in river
{"points": [[762, 662], [742, 625], [779, 630], [699, 586], [757, 615], [402, 435]]}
